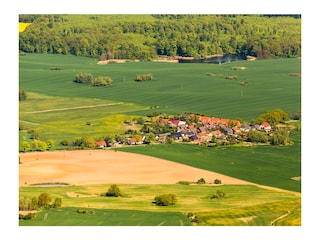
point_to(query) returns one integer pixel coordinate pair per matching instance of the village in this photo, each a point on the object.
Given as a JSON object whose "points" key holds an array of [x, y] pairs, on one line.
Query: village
{"points": [[194, 129]]}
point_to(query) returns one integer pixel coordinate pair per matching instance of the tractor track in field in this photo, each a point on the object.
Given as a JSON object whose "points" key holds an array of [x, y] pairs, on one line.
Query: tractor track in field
{"points": [[75, 108]]}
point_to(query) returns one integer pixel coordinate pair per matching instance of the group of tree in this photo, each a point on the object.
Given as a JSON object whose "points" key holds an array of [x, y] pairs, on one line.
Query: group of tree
{"points": [[88, 78], [146, 36], [273, 117], [44, 200], [37, 145]]}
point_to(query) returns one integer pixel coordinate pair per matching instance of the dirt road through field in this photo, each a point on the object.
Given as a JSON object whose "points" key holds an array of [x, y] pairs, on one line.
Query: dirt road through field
{"points": [[107, 166]]}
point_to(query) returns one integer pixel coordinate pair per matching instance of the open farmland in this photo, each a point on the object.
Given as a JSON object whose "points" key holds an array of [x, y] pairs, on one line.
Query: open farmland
{"points": [[243, 205], [266, 165], [55, 106], [58, 109], [175, 88]]}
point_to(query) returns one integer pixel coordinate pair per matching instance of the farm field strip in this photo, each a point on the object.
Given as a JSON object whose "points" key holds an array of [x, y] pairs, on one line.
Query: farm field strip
{"points": [[73, 108]]}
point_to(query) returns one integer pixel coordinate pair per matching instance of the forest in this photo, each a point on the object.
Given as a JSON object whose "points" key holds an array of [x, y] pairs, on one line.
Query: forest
{"points": [[145, 37]]}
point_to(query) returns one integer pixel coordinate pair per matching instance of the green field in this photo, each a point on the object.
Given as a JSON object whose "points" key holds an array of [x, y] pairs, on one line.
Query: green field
{"points": [[176, 88], [136, 207]]}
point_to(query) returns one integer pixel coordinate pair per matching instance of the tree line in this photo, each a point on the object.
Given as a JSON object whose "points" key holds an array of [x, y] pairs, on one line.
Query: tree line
{"points": [[146, 36]]}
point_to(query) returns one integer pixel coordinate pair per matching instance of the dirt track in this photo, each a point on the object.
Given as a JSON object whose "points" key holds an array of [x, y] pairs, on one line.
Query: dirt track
{"points": [[107, 166]]}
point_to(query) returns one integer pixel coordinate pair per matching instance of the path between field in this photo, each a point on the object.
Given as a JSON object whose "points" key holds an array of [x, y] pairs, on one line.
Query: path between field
{"points": [[278, 218], [74, 108], [85, 167]]}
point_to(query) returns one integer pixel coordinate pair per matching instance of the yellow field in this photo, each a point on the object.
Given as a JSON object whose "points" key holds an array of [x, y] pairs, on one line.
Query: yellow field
{"points": [[23, 26]]}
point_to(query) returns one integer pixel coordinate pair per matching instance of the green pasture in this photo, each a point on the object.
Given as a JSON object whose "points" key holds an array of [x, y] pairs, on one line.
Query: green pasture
{"points": [[67, 118], [176, 88], [266, 165], [106, 217], [136, 207]]}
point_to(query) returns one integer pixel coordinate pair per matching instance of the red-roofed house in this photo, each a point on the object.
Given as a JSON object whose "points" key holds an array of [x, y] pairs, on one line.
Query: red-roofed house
{"points": [[224, 121], [101, 144], [174, 122], [266, 126]]}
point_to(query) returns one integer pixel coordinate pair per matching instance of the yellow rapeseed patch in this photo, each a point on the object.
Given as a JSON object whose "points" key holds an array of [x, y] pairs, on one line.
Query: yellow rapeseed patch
{"points": [[23, 26]]}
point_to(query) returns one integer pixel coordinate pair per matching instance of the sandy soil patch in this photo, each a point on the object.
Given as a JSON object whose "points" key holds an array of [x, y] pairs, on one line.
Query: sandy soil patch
{"points": [[107, 166]]}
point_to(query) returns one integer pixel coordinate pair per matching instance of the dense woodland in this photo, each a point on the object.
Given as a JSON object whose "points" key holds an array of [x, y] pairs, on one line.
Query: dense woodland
{"points": [[146, 36]]}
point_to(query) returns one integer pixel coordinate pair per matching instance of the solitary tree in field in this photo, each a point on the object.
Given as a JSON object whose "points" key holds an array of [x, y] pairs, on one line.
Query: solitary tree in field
{"points": [[165, 199], [114, 191]]}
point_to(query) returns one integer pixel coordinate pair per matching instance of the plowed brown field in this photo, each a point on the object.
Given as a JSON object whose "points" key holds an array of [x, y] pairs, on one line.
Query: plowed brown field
{"points": [[107, 166]]}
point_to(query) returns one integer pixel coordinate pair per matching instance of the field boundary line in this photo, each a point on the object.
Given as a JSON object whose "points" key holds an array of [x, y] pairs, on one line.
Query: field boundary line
{"points": [[75, 108]]}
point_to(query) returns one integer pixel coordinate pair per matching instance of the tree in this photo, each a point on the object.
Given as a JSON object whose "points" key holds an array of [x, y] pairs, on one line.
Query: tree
{"points": [[114, 191], [34, 203], [280, 137], [42, 146], [25, 146], [257, 137], [44, 199], [165, 199], [201, 181], [57, 203], [22, 95], [274, 117], [51, 143], [217, 181], [34, 134]]}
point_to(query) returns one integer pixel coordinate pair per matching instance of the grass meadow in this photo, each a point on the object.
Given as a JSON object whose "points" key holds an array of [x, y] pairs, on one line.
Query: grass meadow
{"points": [[136, 208]]}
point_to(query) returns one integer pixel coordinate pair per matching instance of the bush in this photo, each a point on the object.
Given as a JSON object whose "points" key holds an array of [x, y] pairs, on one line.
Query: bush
{"points": [[83, 77], [101, 81], [232, 77], [28, 216], [165, 199], [184, 182], [217, 181], [86, 211], [219, 194], [114, 191], [201, 181], [144, 77], [55, 68]]}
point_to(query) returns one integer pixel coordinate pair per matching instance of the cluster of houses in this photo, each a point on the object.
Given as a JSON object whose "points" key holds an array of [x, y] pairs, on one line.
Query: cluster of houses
{"points": [[200, 132], [207, 127]]}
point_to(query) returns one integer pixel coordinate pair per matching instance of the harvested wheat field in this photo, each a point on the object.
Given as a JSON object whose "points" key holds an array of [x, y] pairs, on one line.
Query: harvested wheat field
{"points": [[107, 166]]}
